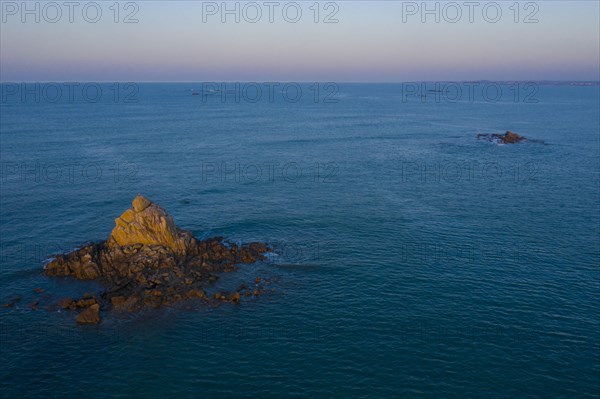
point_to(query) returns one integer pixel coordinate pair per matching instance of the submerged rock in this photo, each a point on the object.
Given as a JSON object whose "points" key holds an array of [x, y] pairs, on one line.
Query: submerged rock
{"points": [[66, 303], [13, 302], [506, 138], [148, 261]]}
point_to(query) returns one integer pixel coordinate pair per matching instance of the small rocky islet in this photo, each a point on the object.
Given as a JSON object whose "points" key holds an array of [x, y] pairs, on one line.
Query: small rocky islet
{"points": [[147, 261], [506, 138]]}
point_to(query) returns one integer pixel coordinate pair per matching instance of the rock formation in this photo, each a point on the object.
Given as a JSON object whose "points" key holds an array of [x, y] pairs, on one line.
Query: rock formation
{"points": [[90, 315], [506, 138], [148, 261], [148, 224]]}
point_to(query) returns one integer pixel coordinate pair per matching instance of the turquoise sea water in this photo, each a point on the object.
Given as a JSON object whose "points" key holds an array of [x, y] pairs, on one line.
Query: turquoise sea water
{"points": [[411, 259]]}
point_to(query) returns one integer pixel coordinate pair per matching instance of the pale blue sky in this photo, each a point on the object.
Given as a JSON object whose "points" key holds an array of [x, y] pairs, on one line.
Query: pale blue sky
{"points": [[371, 42]]}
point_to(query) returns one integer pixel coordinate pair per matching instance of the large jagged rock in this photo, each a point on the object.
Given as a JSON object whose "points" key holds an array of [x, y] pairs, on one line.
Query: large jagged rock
{"points": [[148, 261], [148, 224], [511, 138]]}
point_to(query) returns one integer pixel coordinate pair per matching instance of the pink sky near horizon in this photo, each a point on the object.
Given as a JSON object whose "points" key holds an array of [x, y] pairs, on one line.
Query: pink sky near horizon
{"points": [[369, 43]]}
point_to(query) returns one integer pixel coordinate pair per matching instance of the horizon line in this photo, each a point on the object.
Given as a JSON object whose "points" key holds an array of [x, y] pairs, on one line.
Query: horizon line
{"points": [[309, 81]]}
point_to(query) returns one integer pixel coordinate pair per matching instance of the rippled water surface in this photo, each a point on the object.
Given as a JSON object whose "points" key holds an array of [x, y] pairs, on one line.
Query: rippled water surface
{"points": [[412, 259]]}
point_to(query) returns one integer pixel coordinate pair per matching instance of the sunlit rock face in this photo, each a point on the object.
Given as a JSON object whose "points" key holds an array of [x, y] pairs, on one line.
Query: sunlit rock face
{"points": [[148, 224]]}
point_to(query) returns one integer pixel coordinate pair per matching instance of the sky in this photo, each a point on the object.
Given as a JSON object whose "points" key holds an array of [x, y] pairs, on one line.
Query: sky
{"points": [[344, 41]]}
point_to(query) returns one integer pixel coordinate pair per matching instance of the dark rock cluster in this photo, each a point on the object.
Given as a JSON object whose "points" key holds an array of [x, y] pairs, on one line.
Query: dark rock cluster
{"points": [[506, 138]]}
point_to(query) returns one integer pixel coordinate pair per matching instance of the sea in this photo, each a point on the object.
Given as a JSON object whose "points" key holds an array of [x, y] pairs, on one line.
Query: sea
{"points": [[409, 259]]}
